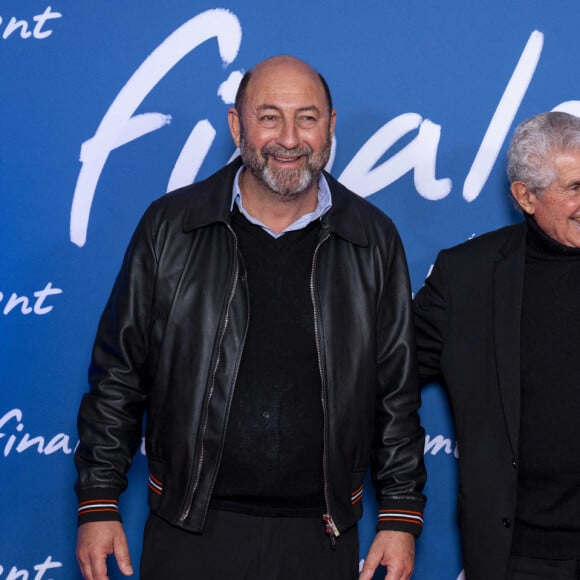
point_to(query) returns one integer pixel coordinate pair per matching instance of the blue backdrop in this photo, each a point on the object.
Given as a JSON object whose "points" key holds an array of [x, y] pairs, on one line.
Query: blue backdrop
{"points": [[104, 106]]}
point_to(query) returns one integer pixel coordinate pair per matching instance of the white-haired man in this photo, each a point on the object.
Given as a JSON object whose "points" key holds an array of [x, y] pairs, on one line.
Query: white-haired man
{"points": [[497, 321]]}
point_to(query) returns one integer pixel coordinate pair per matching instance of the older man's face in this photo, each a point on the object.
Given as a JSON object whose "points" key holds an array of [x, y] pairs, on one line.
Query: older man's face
{"points": [[557, 209]]}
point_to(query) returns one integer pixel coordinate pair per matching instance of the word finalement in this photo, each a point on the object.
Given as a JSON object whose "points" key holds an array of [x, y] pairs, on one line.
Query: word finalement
{"points": [[13, 438], [365, 173], [438, 443], [18, 27], [26, 305], [15, 573]]}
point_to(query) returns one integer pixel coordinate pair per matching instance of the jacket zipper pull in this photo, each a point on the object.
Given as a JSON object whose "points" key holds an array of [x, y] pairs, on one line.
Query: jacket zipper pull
{"points": [[331, 529]]}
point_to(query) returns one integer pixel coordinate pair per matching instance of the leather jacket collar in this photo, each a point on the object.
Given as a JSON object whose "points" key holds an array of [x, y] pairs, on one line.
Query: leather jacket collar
{"points": [[343, 218]]}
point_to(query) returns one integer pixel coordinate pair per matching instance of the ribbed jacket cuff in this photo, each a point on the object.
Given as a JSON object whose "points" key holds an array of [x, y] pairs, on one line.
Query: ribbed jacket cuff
{"points": [[401, 515], [98, 505]]}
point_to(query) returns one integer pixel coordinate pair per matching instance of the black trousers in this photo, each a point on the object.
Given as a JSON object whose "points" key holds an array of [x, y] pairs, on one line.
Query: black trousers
{"points": [[524, 568], [242, 547]]}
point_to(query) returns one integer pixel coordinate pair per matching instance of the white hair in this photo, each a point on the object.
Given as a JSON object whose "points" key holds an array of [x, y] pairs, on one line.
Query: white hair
{"points": [[535, 144]]}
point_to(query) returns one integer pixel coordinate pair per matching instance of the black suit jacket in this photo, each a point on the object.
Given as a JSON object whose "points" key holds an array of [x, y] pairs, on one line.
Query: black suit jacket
{"points": [[467, 319]]}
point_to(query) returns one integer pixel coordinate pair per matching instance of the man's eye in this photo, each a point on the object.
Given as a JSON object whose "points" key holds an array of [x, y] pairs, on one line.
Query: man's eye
{"points": [[268, 120], [307, 121]]}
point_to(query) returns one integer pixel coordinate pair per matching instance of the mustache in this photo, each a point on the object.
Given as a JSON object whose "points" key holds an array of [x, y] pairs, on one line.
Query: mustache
{"points": [[278, 150]]}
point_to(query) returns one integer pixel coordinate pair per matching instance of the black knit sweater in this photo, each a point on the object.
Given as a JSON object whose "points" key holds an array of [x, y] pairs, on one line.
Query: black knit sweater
{"points": [[272, 460], [548, 508]]}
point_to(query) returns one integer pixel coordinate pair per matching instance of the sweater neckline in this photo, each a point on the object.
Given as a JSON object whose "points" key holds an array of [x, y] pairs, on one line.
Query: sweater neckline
{"points": [[541, 246]]}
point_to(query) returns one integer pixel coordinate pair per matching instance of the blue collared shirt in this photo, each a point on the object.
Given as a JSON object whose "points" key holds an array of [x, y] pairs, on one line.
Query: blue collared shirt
{"points": [[324, 204]]}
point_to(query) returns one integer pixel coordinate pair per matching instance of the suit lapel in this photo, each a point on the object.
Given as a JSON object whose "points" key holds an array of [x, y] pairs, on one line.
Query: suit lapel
{"points": [[508, 291]]}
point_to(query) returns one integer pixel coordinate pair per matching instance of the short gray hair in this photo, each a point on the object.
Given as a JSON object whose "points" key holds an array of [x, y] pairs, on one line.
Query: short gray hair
{"points": [[535, 141]]}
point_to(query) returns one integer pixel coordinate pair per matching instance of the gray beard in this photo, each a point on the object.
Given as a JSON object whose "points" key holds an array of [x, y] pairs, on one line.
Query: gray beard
{"points": [[287, 184]]}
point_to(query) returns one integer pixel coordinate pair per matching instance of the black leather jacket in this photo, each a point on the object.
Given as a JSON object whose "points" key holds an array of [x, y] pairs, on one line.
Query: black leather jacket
{"points": [[170, 340]]}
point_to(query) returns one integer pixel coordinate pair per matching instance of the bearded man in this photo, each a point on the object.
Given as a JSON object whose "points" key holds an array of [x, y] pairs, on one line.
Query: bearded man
{"points": [[262, 322]]}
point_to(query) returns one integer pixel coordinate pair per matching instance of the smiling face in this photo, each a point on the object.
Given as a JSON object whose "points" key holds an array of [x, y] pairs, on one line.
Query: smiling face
{"points": [[556, 208], [284, 130]]}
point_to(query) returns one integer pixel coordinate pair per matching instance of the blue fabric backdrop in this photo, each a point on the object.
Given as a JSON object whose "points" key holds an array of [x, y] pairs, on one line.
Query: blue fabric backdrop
{"points": [[104, 106]]}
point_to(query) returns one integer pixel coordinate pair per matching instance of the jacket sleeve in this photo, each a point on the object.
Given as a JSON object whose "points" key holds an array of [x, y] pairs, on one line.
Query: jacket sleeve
{"points": [[397, 461], [430, 310], [110, 416]]}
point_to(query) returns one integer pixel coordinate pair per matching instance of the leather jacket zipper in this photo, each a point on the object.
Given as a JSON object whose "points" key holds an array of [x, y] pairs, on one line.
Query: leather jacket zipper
{"points": [[331, 528], [186, 511]]}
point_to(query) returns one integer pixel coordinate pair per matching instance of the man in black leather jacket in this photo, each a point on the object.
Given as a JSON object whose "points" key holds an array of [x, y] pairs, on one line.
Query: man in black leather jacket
{"points": [[262, 321]]}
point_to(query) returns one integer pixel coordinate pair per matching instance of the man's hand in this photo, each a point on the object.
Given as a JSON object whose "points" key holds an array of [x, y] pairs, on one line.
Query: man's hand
{"points": [[395, 550], [96, 540]]}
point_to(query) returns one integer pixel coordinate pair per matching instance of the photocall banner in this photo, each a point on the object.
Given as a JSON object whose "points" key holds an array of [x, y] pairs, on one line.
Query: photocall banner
{"points": [[105, 106]]}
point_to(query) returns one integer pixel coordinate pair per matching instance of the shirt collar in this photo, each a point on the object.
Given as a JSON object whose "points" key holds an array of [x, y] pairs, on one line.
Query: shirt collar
{"points": [[324, 204]]}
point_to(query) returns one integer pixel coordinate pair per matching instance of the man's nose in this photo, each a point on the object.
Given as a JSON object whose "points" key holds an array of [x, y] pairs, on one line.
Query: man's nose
{"points": [[288, 136]]}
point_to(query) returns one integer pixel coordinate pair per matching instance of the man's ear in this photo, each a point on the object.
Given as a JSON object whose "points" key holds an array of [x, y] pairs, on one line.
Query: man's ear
{"points": [[234, 124], [524, 197]]}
